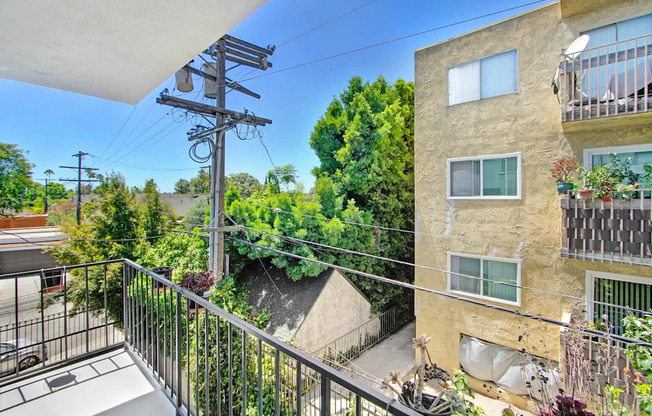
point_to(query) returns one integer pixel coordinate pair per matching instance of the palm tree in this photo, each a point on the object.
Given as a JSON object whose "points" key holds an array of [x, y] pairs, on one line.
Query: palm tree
{"points": [[48, 172]]}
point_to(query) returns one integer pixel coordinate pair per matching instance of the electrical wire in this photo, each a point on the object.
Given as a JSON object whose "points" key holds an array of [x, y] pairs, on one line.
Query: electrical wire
{"points": [[327, 23], [114, 157], [270, 159], [443, 294], [518, 247], [447, 272], [394, 40], [153, 143], [119, 130]]}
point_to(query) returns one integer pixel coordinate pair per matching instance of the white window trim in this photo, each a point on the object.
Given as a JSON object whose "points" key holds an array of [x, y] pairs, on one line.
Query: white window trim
{"points": [[589, 153], [590, 286], [488, 157], [489, 298], [480, 80]]}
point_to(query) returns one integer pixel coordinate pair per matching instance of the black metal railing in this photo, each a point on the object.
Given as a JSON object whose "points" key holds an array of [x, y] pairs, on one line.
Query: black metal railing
{"points": [[210, 362], [206, 360], [40, 327]]}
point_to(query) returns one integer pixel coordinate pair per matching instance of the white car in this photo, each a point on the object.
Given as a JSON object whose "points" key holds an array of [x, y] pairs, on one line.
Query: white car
{"points": [[29, 354]]}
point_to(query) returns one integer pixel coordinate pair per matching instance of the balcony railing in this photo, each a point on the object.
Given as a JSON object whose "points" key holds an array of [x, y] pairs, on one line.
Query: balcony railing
{"points": [[207, 361], [614, 231], [608, 80]]}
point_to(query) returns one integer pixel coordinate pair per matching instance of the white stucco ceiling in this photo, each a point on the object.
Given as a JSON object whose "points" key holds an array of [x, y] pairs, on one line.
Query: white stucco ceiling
{"points": [[114, 49]]}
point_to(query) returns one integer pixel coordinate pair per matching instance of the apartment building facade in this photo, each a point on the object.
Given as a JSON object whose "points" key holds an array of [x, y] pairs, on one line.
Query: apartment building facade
{"points": [[488, 127]]}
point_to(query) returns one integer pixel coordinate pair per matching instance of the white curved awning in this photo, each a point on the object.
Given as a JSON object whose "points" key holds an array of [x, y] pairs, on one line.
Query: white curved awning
{"points": [[119, 50]]}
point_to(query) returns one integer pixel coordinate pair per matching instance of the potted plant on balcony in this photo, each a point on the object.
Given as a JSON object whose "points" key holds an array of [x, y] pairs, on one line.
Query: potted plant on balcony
{"points": [[198, 283], [603, 179], [411, 392], [625, 192], [585, 179], [561, 170], [599, 181]]}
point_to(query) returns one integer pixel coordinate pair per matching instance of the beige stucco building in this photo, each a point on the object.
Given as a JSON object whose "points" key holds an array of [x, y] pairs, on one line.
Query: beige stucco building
{"points": [[488, 128]]}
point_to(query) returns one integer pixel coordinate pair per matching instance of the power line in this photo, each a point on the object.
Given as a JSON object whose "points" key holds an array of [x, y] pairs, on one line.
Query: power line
{"points": [[114, 157], [444, 294], [119, 130], [153, 143], [326, 23], [517, 247], [447, 272], [395, 40], [270, 159]]}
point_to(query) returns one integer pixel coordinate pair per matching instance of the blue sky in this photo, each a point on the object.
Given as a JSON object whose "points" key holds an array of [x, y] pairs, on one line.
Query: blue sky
{"points": [[52, 125]]}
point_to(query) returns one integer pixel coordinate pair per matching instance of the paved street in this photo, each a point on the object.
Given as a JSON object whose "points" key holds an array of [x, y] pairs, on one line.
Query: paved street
{"points": [[21, 249]]}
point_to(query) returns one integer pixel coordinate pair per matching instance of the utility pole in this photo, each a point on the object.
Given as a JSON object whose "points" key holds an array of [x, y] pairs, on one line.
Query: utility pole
{"points": [[227, 48], [216, 240], [47, 181], [79, 180]]}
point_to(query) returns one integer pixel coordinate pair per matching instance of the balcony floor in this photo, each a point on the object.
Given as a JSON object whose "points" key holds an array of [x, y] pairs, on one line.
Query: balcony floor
{"points": [[109, 384]]}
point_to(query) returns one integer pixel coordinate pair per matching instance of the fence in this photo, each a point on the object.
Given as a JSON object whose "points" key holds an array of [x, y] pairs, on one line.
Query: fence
{"points": [[73, 331], [352, 344]]}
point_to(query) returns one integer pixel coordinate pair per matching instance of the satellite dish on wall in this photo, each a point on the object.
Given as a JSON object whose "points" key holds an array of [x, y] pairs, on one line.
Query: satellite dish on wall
{"points": [[571, 53], [576, 47]]}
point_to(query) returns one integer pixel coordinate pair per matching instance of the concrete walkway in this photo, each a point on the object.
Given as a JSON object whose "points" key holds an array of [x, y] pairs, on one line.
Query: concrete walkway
{"points": [[397, 353], [392, 354]]}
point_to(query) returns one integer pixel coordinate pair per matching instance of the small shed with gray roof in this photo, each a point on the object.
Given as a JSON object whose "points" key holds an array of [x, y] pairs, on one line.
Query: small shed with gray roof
{"points": [[311, 312]]}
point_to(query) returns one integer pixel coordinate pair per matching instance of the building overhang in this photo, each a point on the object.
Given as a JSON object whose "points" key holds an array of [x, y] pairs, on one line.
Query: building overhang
{"points": [[118, 50]]}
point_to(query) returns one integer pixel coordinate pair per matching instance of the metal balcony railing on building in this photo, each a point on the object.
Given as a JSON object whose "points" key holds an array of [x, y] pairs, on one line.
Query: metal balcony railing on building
{"points": [[207, 361], [609, 80], [617, 231]]}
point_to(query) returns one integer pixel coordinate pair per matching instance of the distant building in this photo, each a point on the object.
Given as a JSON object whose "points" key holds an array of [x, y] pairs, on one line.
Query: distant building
{"points": [[311, 312], [488, 128], [181, 203]]}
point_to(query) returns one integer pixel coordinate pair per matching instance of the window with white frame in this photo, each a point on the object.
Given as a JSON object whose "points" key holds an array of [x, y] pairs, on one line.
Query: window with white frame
{"points": [[489, 177], [485, 277], [609, 295], [487, 77], [638, 155]]}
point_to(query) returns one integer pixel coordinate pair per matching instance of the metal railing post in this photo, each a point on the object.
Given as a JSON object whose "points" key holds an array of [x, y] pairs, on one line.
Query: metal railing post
{"points": [[325, 396], [178, 348]]}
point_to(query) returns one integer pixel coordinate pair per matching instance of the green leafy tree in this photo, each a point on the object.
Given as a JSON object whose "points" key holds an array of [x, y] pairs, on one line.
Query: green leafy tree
{"points": [[244, 183], [154, 215], [15, 179], [365, 142], [197, 214], [201, 184], [182, 251], [182, 186]]}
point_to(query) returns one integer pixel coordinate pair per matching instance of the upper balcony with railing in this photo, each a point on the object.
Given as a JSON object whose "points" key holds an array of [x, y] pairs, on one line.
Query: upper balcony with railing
{"points": [[613, 79]]}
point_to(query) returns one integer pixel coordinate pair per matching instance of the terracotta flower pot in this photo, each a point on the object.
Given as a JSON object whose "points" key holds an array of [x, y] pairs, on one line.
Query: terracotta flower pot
{"points": [[585, 193]]}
